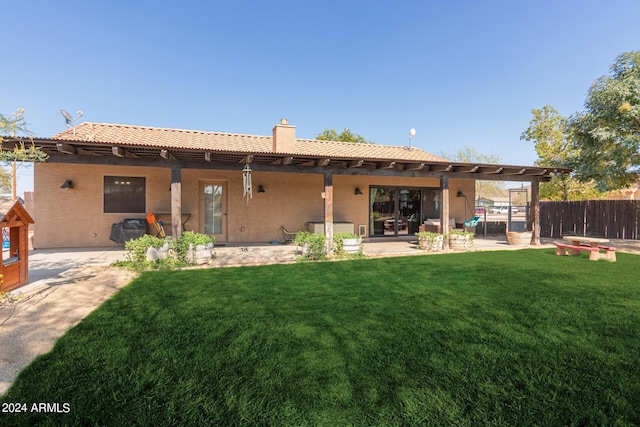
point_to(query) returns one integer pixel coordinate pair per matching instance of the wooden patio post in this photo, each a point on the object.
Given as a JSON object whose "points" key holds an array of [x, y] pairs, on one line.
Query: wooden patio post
{"points": [[176, 202], [444, 213], [328, 211], [535, 212]]}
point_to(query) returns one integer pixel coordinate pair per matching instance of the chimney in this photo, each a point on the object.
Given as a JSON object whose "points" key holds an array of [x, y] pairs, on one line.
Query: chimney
{"points": [[284, 137]]}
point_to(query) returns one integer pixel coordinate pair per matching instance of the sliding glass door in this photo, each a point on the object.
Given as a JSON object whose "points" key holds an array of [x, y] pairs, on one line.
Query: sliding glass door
{"points": [[394, 211]]}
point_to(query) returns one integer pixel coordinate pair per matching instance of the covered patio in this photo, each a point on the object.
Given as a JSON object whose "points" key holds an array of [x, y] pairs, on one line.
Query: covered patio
{"points": [[302, 181]]}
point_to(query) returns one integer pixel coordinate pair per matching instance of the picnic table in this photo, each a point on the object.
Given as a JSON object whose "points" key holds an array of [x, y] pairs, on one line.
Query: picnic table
{"points": [[594, 245]]}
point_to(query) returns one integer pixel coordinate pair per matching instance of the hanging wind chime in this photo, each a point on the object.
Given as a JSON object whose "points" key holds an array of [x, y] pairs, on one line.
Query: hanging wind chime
{"points": [[246, 182]]}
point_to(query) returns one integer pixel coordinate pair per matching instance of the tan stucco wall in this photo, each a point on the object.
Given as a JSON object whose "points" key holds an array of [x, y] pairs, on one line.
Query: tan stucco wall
{"points": [[75, 218]]}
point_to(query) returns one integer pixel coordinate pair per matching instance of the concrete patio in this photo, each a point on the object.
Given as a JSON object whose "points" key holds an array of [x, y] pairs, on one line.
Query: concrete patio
{"points": [[48, 263]]}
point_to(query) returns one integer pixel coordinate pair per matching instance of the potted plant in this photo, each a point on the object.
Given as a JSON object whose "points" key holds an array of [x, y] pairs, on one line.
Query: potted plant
{"points": [[460, 240], [195, 247], [429, 241], [347, 242], [312, 245], [519, 238]]}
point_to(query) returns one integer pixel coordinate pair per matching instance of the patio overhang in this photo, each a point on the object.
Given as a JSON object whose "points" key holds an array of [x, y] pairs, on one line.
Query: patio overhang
{"points": [[178, 150], [105, 153]]}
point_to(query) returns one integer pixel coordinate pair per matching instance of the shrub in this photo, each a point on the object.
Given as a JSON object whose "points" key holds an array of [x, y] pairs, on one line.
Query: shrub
{"points": [[137, 248], [429, 240], [464, 234], [177, 251], [190, 238], [313, 245], [338, 246]]}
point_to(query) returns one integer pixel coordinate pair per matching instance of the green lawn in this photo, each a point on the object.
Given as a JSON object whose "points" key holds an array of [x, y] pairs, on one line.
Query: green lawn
{"points": [[485, 338]]}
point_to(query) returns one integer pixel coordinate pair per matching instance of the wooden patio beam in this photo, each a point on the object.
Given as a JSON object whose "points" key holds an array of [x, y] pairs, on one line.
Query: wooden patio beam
{"points": [[66, 148], [176, 202], [121, 152], [468, 169], [247, 159], [414, 166], [355, 163], [166, 154], [385, 165], [442, 168], [328, 211], [283, 161]]}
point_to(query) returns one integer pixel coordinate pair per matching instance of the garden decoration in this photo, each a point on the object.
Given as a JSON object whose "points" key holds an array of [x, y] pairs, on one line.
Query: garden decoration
{"points": [[246, 182]]}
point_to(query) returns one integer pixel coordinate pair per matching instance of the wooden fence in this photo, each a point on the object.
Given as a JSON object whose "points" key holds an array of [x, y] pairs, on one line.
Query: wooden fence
{"points": [[614, 219]]}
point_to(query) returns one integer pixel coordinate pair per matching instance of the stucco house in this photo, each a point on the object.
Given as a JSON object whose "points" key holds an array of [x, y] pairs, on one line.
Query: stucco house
{"points": [[99, 174]]}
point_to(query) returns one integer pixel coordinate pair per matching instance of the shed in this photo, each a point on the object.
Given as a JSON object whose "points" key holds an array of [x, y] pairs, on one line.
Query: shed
{"points": [[14, 258]]}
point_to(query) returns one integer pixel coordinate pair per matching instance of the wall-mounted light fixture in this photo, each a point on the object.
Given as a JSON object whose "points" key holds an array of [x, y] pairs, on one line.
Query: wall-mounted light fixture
{"points": [[67, 185], [261, 189], [460, 194], [358, 192]]}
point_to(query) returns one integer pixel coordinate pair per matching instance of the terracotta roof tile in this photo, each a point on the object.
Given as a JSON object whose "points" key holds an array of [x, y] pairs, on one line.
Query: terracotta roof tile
{"points": [[126, 135]]}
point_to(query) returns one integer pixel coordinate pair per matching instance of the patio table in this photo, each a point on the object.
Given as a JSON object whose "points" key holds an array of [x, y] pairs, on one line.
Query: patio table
{"points": [[581, 240]]}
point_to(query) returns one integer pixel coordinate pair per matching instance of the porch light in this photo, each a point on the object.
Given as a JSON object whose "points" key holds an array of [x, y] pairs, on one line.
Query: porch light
{"points": [[67, 185], [261, 189], [460, 194], [358, 192]]}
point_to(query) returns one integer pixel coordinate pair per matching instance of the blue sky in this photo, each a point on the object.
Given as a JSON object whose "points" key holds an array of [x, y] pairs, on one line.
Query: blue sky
{"points": [[459, 72]]}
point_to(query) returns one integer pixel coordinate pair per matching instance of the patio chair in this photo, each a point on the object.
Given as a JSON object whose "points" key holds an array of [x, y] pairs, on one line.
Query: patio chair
{"points": [[289, 236], [156, 224], [471, 222]]}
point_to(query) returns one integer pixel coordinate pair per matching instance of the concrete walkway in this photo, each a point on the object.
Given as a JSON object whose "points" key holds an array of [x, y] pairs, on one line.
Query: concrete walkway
{"points": [[67, 284]]}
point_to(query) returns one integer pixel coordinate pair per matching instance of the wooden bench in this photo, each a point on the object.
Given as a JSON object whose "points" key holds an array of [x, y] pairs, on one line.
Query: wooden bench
{"points": [[594, 251]]}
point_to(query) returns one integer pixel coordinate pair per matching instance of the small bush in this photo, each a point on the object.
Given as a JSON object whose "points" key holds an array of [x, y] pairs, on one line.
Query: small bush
{"points": [[177, 251], [137, 248], [313, 246], [338, 246], [190, 238]]}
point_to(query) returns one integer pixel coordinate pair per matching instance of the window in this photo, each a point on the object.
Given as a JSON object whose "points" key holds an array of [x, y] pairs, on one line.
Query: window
{"points": [[124, 194]]}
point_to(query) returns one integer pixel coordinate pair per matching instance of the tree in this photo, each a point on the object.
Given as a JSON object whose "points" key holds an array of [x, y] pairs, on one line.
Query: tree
{"points": [[346, 136], [9, 125], [550, 133], [484, 189], [607, 134]]}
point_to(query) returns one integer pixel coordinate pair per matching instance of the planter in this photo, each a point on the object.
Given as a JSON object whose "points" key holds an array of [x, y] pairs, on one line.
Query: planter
{"points": [[154, 254], [431, 244], [200, 254], [352, 246], [460, 242], [519, 238]]}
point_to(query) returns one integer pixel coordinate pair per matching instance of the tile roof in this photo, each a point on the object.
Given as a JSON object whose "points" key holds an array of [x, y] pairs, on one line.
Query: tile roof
{"points": [[165, 138]]}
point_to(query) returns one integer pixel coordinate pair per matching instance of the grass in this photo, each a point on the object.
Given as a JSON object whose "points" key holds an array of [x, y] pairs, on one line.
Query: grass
{"points": [[487, 338]]}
